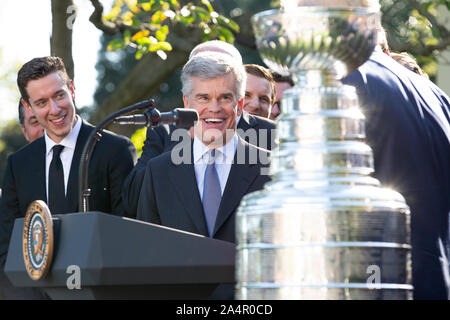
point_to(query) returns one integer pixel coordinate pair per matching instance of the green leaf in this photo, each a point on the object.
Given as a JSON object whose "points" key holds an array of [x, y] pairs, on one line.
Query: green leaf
{"points": [[228, 23], [165, 6], [225, 34], [136, 23], [116, 44], [175, 3], [138, 139], [162, 33], [206, 36], [139, 54], [187, 20], [113, 14], [140, 34], [435, 32], [127, 36], [201, 14], [165, 46], [158, 17], [146, 41], [426, 6], [208, 5]]}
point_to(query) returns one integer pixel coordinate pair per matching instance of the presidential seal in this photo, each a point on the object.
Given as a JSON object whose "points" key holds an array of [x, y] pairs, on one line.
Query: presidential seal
{"points": [[37, 240]]}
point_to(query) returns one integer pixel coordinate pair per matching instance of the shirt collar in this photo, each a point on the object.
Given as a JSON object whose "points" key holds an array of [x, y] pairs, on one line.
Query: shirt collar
{"points": [[69, 141], [224, 154], [239, 117]]}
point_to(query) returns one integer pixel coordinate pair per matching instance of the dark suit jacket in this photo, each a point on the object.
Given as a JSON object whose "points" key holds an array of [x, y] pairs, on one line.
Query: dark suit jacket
{"points": [[159, 141], [170, 196], [24, 179], [407, 126]]}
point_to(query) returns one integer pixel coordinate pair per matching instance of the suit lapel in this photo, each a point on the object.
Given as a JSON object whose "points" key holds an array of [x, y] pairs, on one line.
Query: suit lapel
{"points": [[183, 180], [39, 170], [72, 184], [239, 181], [245, 122]]}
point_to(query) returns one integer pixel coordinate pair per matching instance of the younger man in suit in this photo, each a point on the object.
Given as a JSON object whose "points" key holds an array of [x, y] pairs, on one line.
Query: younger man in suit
{"points": [[259, 91], [47, 169]]}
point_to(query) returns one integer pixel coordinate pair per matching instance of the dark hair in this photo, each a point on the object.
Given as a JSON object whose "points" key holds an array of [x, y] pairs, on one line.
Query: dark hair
{"points": [[407, 61], [277, 77], [261, 72], [38, 68], [21, 113]]}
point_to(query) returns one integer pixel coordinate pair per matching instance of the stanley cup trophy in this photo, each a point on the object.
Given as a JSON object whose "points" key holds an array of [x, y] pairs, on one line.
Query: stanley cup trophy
{"points": [[322, 228]]}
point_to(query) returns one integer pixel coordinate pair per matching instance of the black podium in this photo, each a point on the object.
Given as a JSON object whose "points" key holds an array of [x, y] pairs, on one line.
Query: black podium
{"points": [[121, 258]]}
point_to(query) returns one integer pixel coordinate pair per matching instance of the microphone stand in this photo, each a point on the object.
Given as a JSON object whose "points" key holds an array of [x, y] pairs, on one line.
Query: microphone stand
{"points": [[94, 137]]}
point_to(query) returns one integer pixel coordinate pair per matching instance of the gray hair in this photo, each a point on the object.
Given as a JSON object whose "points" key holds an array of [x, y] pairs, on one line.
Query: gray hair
{"points": [[217, 46], [211, 65]]}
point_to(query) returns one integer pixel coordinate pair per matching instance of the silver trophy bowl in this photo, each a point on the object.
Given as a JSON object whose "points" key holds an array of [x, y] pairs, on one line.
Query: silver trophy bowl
{"points": [[335, 40], [323, 228]]}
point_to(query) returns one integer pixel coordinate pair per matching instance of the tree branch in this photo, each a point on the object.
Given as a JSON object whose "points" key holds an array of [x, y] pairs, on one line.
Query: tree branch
{"points": [[144, 79], [422, 50], [97, 19], [444, 33]]}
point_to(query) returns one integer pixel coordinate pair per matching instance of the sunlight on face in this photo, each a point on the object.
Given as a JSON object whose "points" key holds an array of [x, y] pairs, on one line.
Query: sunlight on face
{"points": [[217, 107], [257, 96], [51, 101]]}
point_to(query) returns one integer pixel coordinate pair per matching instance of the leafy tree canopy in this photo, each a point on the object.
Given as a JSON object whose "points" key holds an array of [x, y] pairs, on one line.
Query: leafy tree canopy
{"points": [[171, 28]]}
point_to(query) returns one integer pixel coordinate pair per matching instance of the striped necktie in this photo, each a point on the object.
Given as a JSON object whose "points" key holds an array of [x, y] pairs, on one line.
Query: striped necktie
{"points": [[212, 193]]}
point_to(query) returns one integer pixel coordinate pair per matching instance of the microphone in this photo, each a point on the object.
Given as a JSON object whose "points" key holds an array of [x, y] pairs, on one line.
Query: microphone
{"points": [[181, 117]]}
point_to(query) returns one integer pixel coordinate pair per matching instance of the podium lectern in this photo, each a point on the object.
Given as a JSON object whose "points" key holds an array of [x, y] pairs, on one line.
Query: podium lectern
{"points": [[121, 258]]}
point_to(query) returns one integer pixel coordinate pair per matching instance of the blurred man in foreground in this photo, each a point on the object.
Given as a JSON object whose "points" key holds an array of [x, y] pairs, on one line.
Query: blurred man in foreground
{"points": [[408, 128]]}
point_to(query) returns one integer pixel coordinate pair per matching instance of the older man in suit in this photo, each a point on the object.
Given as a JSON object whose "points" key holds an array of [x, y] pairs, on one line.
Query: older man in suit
{"points": [[202, 194], [408, 128], [47, 168], [255, 130]]}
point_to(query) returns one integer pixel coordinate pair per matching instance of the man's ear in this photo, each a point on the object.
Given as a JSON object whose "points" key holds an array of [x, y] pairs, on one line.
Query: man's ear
{"points": [[185, 101], [240, 106], [71, 89], [23, 129], [25, 134], [26, 104]]}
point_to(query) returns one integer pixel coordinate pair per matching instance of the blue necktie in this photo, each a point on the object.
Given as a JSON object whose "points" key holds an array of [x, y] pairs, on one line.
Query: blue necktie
{"points": [[212, 194]]}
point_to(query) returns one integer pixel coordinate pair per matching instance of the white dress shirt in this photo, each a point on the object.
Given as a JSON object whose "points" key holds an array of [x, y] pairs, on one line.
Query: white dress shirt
{"points": [[69, 143], [224, 159]]}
